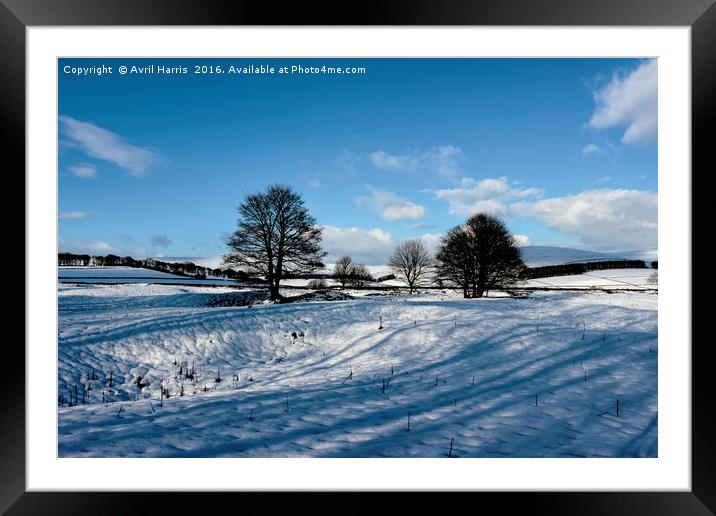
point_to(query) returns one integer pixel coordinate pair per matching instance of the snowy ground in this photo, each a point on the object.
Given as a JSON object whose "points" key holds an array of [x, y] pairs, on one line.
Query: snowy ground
{"points": [[501, 377], [67, 272], [607, 279]]}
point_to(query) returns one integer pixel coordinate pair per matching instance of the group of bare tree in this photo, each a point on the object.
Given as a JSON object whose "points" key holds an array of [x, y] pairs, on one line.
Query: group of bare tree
{"points": [[345, 272], [277, 237], [476, 256]]}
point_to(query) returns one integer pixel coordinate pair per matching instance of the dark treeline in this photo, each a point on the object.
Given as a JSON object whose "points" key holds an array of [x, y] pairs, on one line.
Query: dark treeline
{"points": [[569, 269], [186, 269], [315, 275]]}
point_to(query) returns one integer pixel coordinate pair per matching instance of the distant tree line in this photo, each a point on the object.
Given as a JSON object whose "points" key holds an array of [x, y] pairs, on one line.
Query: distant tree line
{"points": [[187, 269], [570, 269], [69, 259]]}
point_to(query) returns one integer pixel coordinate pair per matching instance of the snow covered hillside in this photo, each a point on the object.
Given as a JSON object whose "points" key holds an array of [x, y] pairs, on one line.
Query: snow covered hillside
{"points": [[213, 262], [540, 255], [120, 274], [500, 377], [70, 272], [627, 279]]}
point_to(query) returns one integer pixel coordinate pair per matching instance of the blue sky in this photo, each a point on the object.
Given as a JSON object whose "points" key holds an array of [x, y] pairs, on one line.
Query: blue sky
{"points": [[156, 164]]}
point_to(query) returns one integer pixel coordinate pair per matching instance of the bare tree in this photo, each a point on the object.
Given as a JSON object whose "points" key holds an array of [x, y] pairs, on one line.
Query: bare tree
{"points": [[410, 261], [276, 236], [479, 255], [360, 275], [342, 270]]}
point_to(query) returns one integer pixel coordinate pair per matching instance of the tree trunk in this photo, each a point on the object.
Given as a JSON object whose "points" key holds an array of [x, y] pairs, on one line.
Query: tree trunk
{"points": [[275, 296]]}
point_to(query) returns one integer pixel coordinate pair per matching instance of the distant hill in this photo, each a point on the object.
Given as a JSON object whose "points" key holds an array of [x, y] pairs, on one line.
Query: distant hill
{"points": [[213, 262], [540, 255]]}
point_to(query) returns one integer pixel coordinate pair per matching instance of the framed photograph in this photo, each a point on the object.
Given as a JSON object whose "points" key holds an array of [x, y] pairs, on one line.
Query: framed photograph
{"points": [[417, 250]]}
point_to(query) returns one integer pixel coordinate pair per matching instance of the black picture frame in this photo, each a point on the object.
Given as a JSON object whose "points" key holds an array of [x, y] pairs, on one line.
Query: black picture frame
{"points": [[17, 15]]}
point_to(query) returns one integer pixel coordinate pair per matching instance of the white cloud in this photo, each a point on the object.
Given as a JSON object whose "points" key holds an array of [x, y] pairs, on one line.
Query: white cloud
{"points": [[445, 160], [486, 195], [522, 240], [96, 247], [103, 144], [126, 246], [431, 241], [83, 170], [591, 149], [492, 206], [392, 207], [385, 161], [74, 215], [603, 220], [629, 100], [421, 225], [100, 246], [367, 246], [213, 262]]}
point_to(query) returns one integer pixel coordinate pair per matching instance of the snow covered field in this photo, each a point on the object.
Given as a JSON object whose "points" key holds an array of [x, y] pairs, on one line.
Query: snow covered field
{"points": [[111, 272], [119, 274], [500, 377], [606, 279], [538, 256]]}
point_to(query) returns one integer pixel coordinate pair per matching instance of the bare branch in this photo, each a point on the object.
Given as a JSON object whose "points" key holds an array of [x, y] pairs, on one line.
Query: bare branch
{"points": [[410, 261]]}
